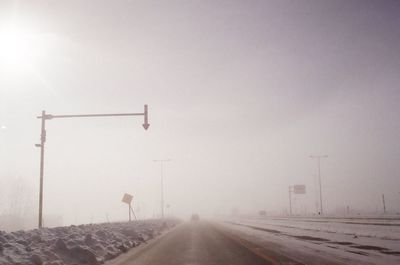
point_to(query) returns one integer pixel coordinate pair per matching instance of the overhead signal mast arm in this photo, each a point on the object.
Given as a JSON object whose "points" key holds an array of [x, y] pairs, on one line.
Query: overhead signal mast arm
{"points": [[145, 114], [46, 116]]}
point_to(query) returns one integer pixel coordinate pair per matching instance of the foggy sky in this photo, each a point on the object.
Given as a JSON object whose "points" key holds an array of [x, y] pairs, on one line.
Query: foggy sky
{"points": [[240, 93]]}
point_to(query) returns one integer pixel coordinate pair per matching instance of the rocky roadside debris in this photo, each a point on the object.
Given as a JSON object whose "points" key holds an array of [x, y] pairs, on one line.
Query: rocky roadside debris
{"points": [[83, 244]]}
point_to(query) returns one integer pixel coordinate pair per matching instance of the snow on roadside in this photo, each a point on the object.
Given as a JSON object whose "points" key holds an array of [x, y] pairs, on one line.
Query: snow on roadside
{"points": [[366, 241], [84, 244], [387, 229]]}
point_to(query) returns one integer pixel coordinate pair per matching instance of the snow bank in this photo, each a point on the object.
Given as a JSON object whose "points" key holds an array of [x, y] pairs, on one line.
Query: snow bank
{"points": [[84, 244]]}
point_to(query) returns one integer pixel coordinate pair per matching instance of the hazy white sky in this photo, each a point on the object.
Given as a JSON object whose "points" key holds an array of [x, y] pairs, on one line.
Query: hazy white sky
{"points": [[240, 93]]}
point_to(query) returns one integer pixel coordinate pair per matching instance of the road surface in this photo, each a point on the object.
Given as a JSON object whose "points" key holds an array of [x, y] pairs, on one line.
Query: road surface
{"points": [[198, 243]]}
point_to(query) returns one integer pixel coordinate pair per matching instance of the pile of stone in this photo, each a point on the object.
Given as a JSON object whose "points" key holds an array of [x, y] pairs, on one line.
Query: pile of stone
{"points": [[83, 244]]}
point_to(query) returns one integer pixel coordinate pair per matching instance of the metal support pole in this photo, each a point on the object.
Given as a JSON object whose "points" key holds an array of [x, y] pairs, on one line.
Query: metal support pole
{"points": [[162, 190], [319, 179], [384, 204], [320, 185], [290, 201], [162, 184], [134, 215], [129, 209]]}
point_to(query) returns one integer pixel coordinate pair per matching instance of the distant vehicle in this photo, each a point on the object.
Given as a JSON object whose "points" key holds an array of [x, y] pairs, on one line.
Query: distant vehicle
{"points": [[195, 217], [262, 213]]}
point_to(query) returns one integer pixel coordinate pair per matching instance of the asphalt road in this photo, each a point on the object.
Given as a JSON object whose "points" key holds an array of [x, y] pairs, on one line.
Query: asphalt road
{"points": [[197, 243]]}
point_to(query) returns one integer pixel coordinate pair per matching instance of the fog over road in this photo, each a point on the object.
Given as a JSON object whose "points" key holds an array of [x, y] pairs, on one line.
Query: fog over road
{"points": [[197, 243]]}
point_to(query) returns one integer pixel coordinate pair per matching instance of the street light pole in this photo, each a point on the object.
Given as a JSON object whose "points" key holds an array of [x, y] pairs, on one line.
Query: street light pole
{"points": [[162, 161], [319, 157], [290, 200], [45, 117]]}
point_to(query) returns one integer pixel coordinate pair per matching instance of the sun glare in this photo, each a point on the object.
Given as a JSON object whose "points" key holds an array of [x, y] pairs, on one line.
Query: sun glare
{"points": [[17, 48], [14, 46]]}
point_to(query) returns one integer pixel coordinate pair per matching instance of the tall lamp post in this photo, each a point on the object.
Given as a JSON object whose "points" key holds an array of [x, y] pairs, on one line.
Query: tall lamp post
{"points": [[318, 158], [45, 117], [290, 200], [162, 161]]}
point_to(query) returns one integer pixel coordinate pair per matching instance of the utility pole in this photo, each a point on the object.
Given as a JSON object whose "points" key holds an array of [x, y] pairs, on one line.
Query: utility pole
{"points": [[162, 161], [319, 157], [45, 117], [42, 141]]}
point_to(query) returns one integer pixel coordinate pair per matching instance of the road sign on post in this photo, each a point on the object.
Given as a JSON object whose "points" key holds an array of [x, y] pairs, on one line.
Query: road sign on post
{"points": [[296, 189], [299, 189], [128, 200]]}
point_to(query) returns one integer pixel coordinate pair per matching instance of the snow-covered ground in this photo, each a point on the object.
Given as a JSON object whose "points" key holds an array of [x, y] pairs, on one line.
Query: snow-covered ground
{"points": [[347, 240], [84, 244]]}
